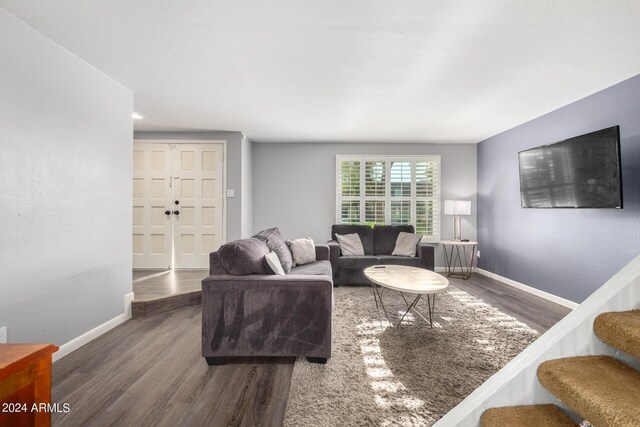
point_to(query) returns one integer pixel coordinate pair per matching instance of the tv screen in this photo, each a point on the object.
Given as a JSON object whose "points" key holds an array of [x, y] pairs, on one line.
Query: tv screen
{"points": [[580, 172]]}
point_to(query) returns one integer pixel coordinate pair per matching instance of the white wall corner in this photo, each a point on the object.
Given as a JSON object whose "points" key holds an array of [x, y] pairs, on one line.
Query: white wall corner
{"points": [[94, 333], [128, 299]]}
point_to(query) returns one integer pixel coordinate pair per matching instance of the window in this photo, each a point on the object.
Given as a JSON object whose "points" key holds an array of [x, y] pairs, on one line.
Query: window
{"points": [[389, 190]]}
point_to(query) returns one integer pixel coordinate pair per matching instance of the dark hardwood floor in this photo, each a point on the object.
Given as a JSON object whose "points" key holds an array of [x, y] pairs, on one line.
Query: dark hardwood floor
{"points": [[158, 291], [154, 284], [539, 313], [148, 371]]}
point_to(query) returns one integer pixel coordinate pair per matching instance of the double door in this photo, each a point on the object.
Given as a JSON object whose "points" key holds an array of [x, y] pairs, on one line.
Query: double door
{"points": [[178, 204]]}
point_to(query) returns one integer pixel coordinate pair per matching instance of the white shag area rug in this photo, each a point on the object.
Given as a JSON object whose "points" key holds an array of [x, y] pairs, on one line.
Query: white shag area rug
{"points": [[379, 375]]}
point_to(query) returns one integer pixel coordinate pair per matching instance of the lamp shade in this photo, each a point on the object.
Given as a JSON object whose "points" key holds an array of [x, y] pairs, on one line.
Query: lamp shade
{"points": [[457, 207]]}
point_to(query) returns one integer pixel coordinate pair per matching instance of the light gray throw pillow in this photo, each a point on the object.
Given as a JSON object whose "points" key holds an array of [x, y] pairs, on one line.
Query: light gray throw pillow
{"points": [[302, 250], [350, 244], [274, 264], [406, 244]]}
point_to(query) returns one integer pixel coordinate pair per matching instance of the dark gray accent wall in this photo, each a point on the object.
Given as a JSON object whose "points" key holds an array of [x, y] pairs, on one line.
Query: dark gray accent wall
{"points": [[234, 169], [295, 184], [566, 252]]}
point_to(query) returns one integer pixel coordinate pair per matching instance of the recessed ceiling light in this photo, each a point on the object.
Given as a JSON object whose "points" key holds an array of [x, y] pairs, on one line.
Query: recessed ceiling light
{"points": [[137, 115]]}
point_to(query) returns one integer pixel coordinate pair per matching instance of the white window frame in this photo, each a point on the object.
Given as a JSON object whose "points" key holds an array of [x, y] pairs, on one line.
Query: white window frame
{"points": [[362, 198]]}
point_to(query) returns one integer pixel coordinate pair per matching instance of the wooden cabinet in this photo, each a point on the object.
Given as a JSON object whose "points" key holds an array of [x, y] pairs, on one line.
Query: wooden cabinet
{"points": [[25, 384]]}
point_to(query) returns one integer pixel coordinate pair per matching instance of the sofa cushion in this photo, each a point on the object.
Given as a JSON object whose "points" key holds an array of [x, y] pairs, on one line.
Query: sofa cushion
{"points": [[244, 256], [357, 262], [385, 237], [399, 260], [350, 244], [407, 244], [313, 269], [364, 231], [277, 243]]}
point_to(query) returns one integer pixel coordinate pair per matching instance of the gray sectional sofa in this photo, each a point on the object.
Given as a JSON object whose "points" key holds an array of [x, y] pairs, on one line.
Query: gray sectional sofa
{"points": [[262, 314], [378, 243]]}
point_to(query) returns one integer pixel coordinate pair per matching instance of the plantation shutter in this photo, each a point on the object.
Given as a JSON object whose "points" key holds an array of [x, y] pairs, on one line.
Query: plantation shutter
{"points": [[375, 178], [427, 197], [350, 212], [374, 212], [400, 212], [350, 178], [401, 178], [349, 191], [390, 190], [426, 178], [400, 196], [375, 184]]}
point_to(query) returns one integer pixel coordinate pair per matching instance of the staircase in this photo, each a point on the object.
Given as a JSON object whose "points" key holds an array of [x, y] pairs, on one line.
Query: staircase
{"points": [[600, 389]]}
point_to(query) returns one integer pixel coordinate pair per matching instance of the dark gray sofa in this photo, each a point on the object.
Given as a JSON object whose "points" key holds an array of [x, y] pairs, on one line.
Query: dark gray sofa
{"points": [[378, 243], [268, 315]]}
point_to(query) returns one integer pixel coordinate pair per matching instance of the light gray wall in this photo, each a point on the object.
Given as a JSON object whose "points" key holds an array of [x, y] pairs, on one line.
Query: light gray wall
{"points": [[234, 170], [566, 252], [295, 189], [246, 193], [65, 180]]}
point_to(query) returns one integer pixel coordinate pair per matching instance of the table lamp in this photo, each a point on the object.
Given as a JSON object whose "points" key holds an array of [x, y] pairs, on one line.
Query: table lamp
{"points": [[457, 208]]}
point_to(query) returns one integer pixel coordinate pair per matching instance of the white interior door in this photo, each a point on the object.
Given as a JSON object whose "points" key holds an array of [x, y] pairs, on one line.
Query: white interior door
{"points": [[152, 230], [178, 204], [198, 197]]}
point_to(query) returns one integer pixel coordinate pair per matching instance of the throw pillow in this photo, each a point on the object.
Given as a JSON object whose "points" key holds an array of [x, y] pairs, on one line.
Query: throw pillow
{"points": [[406, 244], [277, 243], [273, 263], [350, 244], [303, 251], [244, 256]]}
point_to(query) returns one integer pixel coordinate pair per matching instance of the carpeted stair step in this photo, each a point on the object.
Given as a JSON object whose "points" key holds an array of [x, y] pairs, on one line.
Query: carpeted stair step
{"points": [[620, 330], [601, 389], [526, 416]]}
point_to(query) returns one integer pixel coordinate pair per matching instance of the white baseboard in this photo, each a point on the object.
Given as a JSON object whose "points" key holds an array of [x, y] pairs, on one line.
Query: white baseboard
{"points": [[537, 292], [94, 333]]}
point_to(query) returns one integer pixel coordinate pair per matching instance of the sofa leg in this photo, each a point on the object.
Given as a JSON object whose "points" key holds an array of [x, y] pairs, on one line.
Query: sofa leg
{"points": [[215, 361], [321, 360]]}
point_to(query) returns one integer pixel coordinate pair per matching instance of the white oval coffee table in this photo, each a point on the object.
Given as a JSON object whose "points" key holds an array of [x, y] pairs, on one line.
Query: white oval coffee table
{"points": [[405, 279]]}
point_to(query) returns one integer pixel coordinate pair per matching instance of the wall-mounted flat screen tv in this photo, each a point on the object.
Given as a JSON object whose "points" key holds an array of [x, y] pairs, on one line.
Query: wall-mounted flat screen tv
{"points": [[580, 172]]}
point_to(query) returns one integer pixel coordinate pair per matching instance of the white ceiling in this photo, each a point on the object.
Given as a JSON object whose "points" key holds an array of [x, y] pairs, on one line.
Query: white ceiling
{"points": [[348, 70]]}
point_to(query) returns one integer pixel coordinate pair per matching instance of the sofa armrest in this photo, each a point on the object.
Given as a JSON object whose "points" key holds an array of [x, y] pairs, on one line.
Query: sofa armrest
{"points": [[334, 256], [426, 253], [322, 252], [215, 266]]}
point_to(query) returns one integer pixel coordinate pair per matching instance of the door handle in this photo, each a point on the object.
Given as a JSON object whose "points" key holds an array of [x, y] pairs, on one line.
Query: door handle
{"points": [[176, 212], [167, 212]]}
